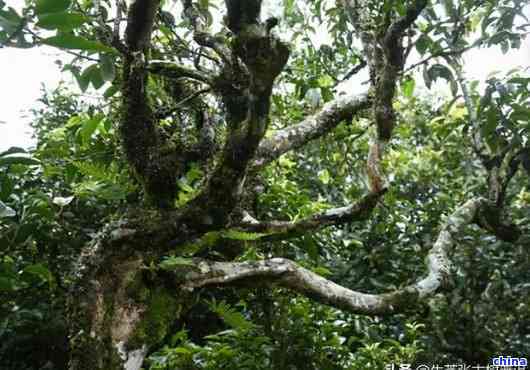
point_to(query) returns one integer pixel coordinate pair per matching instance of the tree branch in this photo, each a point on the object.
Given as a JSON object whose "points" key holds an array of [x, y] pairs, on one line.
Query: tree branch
{"points": [[477, 142], [282, 229], [173, 70], [245, 86], [288, 274], [442, 53], [147, 151], [201, 34], [313, 127], [399, 26], [140, 23]]}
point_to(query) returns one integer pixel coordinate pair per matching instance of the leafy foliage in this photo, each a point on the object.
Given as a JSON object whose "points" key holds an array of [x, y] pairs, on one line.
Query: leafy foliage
{"points": [[54, 198]]}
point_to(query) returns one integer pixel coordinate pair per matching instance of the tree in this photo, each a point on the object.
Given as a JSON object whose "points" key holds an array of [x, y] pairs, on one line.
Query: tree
{"points": [[193, 112]]}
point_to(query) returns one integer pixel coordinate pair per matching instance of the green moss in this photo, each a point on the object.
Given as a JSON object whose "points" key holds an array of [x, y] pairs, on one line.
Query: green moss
{"points": [[137, 290], [162, 310], [90, 353], [402, 299]]}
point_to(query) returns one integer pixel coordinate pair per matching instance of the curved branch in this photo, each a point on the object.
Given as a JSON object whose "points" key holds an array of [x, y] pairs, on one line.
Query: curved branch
{"points": [[282, 229], [313, 127], [290, 275], [400, 25]]}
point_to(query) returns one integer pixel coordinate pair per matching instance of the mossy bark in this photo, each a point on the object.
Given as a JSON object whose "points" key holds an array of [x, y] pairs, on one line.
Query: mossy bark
{"points": [[117, 314]]}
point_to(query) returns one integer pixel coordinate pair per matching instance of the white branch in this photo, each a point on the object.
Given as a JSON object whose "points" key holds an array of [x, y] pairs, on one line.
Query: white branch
{"points": [[295, 136], [290, 275]]}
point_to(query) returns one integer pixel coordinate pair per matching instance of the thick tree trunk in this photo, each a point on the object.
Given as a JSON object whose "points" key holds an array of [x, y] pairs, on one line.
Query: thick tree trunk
{"points": [[117, 310], [103, 318]]}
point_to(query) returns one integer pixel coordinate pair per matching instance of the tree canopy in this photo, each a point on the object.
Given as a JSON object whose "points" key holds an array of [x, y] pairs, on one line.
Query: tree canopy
{"points": [[233, 195]]}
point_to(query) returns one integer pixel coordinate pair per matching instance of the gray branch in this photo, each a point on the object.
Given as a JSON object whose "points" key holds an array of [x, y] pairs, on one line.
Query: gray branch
{"points": [[282, 229], [343, 109], [288, 274]]}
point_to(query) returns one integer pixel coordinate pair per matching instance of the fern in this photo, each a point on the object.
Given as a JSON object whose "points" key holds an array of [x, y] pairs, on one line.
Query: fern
{"points": [[231, 317], [93, 170]]}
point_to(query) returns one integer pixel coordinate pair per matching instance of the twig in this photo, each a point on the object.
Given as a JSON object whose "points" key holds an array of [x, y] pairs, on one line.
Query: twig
{"points": [[68, 51]]}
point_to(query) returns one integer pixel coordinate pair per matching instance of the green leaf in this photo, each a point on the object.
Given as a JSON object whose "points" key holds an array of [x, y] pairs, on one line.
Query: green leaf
{"points": [[288, 6], [6, 161], [7, 284], [324, 176], [230, 316], [488, 127], [325, 81], [12, 150], [62, 201], [6, 211], [83, 80], [171, 263], [40, 270], [185, 187], [322, 271], [93, 74], [89, 127], [423, 43], [63, 21], [51, 6], [241, 235], [408, 86], [520, 113], [9, 20], [439, 71], [111, 91], [69, 41], [75, 121]]}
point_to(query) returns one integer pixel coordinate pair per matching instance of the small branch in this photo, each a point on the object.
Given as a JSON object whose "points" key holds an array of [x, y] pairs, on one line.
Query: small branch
{"points": [[476, 140], [288, 274], [116, 41], [313, 127], [168, 112], [201, 34], [245, 87], [68, 51], [443, 53], [374, 171], [146, 149], [283, 229], [352, 72], [501, 169]]}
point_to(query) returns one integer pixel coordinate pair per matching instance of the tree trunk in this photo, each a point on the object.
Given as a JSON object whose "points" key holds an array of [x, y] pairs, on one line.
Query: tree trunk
{"points": [[116, 313]]}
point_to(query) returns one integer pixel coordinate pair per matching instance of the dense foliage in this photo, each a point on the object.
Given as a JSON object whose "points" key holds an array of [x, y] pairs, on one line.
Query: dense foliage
{"points": [[445, 149]]}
